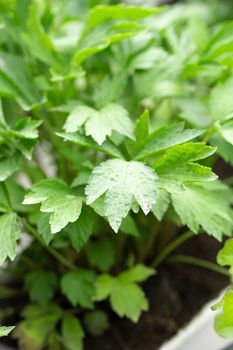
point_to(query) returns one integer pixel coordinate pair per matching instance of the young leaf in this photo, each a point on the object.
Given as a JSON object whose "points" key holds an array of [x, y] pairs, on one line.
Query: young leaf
{"points": [[79, 288], [194, 209], [100, 124], [9, 234], [5, 330], [55, 198], [72, 333], [138, 273], [26, 128], [226, 130], [220, 100], [166, 137], [124, 182]]}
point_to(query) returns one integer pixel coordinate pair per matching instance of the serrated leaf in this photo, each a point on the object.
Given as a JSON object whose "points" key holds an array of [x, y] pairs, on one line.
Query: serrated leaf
{"points": [[57, 199], [126, 297], [9, 234], [5, 330], [177, 166], [166, 137], [44, 228], [100, 124], [79, 288], [128, 300], [72, 333], [41, 285], [124, 182], [109, 90], [194, 209]]}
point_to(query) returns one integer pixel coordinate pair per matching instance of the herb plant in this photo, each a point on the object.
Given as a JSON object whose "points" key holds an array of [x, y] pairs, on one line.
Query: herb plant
{"points": [[111, 120]]}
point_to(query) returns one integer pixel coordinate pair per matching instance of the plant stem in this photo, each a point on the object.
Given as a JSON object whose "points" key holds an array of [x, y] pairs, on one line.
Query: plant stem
{"points": [[52, 251], [170, 248], [198, 262]]}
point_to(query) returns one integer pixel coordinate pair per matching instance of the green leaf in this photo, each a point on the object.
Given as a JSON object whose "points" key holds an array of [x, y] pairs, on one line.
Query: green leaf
{"points": [[26, 128], [107, 147], [80, 231], [220, 100], [79, 288], [225, 255], [177, 165], [100, 124], [142, 128], [166, 137], [224, 148], [226, 130], [5, 330], [41, 285], [138, 273], [102, 13], [96, 322], [194, 209], [44, 228], [55, 198], [9, 234], [124, 182], [162, 203], [109, 90], [128, 299], [8, 165], [5, 204], [224, 320], [72, 333], [34, 331], [101, 254], [16, 81], [37, 41]]}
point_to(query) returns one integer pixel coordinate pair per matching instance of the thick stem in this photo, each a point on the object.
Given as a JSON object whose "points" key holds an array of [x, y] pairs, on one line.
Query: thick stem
{"points": [[170, 248], [52, 251], [198, 262]]}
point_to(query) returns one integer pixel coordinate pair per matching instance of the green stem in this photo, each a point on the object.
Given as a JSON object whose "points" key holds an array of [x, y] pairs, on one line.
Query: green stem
{"points": [[53, 252], [198, 262], [170, 248]]}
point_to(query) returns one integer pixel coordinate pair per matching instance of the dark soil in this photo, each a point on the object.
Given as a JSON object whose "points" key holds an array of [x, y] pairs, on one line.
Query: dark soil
{"points": [[176, 294]]}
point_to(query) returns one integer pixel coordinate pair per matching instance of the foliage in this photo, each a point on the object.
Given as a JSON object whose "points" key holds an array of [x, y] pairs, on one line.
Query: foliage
{"points": [[112, 118]]}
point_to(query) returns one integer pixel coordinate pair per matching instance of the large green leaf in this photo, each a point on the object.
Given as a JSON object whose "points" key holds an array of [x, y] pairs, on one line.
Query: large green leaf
{"points": [[72, 333], [124, 182]]}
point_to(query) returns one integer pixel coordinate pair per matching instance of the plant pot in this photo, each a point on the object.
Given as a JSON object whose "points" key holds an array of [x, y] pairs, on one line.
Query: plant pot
{"points": [[199, 333]]}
